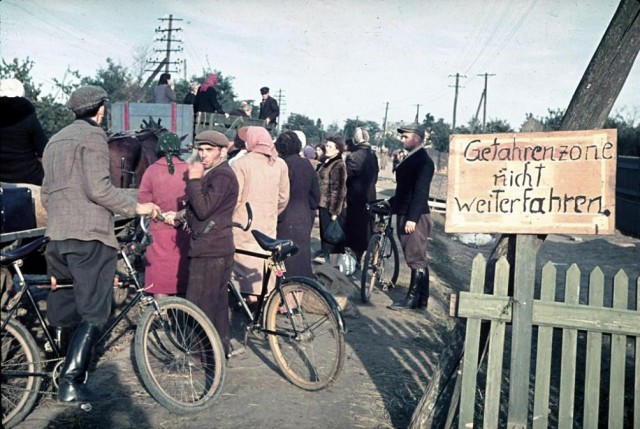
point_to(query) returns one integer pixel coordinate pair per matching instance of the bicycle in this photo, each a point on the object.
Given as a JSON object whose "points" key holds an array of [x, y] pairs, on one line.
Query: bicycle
{"points": [[177, 350], [381, 261], [300, 318]]}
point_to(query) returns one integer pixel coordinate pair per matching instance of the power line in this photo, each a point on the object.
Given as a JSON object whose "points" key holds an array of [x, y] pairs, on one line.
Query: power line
{"points": [[168, 39]]}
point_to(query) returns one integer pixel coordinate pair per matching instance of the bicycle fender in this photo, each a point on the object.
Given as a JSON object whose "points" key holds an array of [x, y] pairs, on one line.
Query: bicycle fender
{"points": [[335, 308]]}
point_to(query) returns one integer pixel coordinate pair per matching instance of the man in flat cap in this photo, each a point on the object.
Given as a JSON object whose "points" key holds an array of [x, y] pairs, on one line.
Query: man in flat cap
{"points": [[212, 193], [80, 201], [410, 204], [269, 109]]}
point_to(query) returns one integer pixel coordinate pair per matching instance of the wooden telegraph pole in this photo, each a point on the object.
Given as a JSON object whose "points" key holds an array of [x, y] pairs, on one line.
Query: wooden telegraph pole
{"points": [[589, 108]]}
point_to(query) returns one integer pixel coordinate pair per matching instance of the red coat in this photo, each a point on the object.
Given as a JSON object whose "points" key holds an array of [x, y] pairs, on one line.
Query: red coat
{"points": [[167, 264]]}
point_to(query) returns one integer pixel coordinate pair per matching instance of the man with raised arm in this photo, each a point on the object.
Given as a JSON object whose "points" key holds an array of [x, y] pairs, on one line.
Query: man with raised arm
{"points": [[81, 201], [212, 192]]}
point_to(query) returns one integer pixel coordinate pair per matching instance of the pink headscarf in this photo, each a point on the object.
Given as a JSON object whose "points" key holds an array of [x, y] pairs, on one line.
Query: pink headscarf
{"points": [[259, 140], [212, 81]]}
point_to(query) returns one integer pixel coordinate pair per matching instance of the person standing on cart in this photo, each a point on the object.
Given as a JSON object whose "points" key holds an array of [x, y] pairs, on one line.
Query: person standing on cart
{"points": [[81, 200]]}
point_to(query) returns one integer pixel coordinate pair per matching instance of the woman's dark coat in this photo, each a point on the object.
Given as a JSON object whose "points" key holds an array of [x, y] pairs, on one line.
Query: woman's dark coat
{"points": [[22, 142], [295, 222], [362, 175], [207, 101]]}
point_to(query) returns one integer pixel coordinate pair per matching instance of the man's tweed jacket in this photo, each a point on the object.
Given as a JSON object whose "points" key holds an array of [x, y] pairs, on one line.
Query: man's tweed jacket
{"points": [[77, 191]]}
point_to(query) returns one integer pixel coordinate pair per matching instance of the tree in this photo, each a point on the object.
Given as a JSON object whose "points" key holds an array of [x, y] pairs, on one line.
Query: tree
{"points": [[312, 130], [350, 126], [628, 135], [439, 132]]}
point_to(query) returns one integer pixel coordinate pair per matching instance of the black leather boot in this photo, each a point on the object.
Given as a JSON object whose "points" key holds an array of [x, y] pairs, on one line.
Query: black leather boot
{"points": [[411, 300], [423, 288], [72, 390]]}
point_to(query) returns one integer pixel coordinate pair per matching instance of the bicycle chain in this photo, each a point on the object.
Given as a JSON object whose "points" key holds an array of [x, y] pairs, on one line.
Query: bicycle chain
{"points": [[45, 363]]}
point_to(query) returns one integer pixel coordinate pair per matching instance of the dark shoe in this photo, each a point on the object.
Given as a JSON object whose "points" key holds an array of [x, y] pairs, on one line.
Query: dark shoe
{"points": [[411, 301], [72, 390]]}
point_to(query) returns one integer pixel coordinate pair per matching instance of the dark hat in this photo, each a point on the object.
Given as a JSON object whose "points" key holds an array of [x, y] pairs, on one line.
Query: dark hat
{"points": [[213, 138], [86, 97], [264, 90], [412, 128]]}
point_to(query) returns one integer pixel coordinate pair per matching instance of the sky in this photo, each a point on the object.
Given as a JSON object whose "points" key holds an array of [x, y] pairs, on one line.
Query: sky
{"points": [[339, 59]]}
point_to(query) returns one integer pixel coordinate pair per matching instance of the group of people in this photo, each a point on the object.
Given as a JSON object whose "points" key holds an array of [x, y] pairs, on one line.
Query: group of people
{"points": [[204, 98], [193, 253]]}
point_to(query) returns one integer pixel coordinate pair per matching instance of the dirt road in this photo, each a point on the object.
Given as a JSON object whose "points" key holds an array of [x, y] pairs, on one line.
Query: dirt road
{"points": [[391, 356]]}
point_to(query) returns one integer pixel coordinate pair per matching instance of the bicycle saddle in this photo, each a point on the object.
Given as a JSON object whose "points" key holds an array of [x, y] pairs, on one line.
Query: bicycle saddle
{"points": [[270, 244], [21, 252]]}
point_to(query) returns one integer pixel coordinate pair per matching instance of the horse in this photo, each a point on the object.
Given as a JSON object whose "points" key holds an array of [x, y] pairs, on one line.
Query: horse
{"points": [[131, 153]]}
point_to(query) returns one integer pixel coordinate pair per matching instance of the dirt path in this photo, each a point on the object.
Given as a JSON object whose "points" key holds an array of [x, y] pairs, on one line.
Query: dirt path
{"points": [[390, 356]]}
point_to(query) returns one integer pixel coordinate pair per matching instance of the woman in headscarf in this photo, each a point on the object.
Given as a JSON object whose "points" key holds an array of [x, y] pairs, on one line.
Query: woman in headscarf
{"points": [[362, 175], [207, 97], [264, 183], [163, 92], [296, 221], [164, 183], [333, 193]]}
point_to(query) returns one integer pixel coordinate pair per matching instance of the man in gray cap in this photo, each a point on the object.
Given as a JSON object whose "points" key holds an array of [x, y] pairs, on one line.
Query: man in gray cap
{"points": [[80, 201], [410, 204], [212, 194]]}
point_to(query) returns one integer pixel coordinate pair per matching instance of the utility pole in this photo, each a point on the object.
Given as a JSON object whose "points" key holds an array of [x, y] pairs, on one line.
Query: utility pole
{"points": [[281, 105], [417, 120], [484, 97], [455, 100], [384, 124], [168, 38]]}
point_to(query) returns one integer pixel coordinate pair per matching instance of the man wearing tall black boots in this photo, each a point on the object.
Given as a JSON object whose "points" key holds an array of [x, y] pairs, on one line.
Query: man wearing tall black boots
{"points": [[410, 204], [80, 200]]}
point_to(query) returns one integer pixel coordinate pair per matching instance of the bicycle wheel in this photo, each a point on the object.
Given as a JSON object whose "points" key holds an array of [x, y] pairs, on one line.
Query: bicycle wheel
{"points": [[180, 356], [304, 335], [380, 265], [20, 357]]}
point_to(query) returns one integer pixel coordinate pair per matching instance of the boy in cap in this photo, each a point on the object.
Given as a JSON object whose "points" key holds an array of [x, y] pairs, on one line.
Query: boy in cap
{"points": [[212, 193], [80, 200], [410, 204], [269, 109]]}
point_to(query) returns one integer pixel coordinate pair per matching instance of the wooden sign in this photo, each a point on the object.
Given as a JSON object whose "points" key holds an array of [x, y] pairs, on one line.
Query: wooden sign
{"points": [[532, 183]]}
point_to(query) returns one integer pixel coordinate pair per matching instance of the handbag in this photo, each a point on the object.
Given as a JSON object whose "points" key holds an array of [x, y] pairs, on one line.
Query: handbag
{"points": [[334, 234]]}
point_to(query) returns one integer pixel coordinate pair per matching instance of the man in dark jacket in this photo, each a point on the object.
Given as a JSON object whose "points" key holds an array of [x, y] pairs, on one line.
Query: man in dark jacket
{"points": [[22, 139], [362, 175], [269, 109], [212, 193], [410, 204]]}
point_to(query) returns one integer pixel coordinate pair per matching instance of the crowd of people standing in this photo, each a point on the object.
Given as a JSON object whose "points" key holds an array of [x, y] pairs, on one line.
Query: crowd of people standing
{"points": [[287, 183]]}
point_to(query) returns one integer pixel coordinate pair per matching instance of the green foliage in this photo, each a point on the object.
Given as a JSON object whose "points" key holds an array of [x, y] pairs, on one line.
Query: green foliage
{"points": [[439, 132], [628, 135], [313, 131], [53, 115], [372, 128]]}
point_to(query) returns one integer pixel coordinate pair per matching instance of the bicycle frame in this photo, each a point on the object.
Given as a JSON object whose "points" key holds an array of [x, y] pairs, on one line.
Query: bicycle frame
{"points": [[25, 289], [255, 319]]}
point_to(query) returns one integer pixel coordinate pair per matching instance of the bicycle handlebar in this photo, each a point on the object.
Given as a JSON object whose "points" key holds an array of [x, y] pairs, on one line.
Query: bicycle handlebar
{"points": [[249, 219]]}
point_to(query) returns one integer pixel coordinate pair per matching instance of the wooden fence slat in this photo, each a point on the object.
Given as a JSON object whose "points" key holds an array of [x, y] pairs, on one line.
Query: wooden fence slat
{"points": [[543, 354], [618, 351], [636, 399], [594, 355], [471, 350], [569, 344], [496, 350], [523, 283]]}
